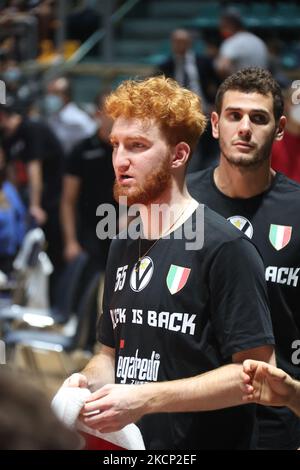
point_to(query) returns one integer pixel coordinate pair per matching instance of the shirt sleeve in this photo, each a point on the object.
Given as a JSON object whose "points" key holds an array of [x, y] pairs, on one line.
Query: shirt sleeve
{"points": [[240, 307], [73, 165], [105, 332], [35, 141], [228, 49]]}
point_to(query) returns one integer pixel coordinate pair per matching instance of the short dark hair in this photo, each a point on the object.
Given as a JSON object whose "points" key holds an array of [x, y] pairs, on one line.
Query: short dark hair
{"points": [[252, 80], [232, 17]]}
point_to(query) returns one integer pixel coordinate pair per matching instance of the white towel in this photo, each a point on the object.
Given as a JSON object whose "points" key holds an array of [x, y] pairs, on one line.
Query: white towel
{"points": [[68, 402], [67, 405]]}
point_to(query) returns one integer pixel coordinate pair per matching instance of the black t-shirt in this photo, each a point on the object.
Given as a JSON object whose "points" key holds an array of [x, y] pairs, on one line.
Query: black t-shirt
{"points": [[272, 221], [91, 161], [183, 313], [34, 140]]}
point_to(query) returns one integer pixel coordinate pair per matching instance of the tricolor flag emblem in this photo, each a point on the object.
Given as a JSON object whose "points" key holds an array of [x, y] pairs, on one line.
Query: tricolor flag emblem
{"points": [[280, 236], [177, 278]]}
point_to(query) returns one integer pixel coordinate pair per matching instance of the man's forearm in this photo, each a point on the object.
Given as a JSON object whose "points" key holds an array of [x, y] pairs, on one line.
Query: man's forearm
{"points": [[35, 183], [213, 390], [68, 221], [100, 371]]}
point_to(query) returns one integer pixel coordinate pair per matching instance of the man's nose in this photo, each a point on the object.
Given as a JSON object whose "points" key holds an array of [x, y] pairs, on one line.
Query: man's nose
{"points": [[120, 159], [245, 127]]}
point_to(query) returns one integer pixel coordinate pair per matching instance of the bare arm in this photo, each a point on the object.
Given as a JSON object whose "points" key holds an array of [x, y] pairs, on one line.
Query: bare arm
{"points": [[34, 169], [101, 368], [223, 66], [99, 371], [123, 404], [268, 385], [71, 189]]}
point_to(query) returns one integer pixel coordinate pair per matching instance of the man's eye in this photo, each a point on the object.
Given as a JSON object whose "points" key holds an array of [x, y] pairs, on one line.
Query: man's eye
{"points": [[114, 145], [259, 119], [138, 145], [234, 116]]}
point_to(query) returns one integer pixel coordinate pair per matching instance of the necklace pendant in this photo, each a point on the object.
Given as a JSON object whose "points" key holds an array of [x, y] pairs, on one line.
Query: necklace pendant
{"points": [[137, 265]]}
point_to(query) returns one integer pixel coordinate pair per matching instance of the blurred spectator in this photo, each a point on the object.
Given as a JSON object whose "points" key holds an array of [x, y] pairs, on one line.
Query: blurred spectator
{"points": [[69, 123], [286, 152], [189, 69], [12, 219], [195, 72], [26, 419], [240, 48], [88, 182], [35, 156], [19, 30], [45, 12], [82, 21]]}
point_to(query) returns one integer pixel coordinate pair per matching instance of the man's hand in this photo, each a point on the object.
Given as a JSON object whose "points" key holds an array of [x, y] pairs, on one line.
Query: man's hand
{"points": [[76, 380], [114, 406], [39, 215], [72, 250], [265, 384]]}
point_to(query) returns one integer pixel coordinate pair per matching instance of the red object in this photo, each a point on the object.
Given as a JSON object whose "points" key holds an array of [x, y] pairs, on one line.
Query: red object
{"points": [[286, 156], [20, 173], [96, 443]]}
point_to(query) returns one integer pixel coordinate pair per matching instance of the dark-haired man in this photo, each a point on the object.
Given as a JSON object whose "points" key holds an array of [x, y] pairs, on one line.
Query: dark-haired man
{"points": [[265, 206], [240, 48], [35, 156]]}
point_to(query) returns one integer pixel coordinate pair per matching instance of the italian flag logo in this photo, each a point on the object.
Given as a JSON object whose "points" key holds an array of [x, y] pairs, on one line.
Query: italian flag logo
{"points": [[177, 278], [280, 236]]}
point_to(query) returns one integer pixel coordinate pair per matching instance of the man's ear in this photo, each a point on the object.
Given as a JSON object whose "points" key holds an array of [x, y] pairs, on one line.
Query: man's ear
{"points": [[181, 155], [280, 128], [215, 124]]}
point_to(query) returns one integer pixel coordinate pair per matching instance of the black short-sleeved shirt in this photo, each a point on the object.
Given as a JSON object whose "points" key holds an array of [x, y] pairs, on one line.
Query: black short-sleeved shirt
{"points": [[272, 221], [34, 140], [183, 313], [91, 161]]}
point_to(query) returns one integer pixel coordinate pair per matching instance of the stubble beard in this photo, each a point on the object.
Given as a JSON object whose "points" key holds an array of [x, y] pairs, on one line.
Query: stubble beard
{"points": [[243, 161]]}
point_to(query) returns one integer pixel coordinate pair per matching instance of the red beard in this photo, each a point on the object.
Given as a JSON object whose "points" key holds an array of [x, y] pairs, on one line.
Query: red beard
{"points": [[154, 185]]}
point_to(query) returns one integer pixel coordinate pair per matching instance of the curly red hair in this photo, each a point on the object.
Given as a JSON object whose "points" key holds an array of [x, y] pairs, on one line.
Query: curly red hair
{"points": [[177, 110]]}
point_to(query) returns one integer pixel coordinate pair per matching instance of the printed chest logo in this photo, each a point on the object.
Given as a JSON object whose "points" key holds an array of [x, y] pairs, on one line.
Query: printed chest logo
{"points": [[280, 236], [243, 224], [141, 274], [177, 278]]}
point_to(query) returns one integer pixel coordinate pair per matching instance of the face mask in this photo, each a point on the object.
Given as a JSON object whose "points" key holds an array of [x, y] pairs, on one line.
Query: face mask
{"points": [[11, 75], [52, 104], [295, 113]]}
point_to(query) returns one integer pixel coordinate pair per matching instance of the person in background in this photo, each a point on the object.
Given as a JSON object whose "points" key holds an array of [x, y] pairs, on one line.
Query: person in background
{"points": [[196, 73], [26, 419], [88, 181], [240, 48], [265, 206], [286, 152], [34, 157], [12, 219], [69, 123], [189, 69]]}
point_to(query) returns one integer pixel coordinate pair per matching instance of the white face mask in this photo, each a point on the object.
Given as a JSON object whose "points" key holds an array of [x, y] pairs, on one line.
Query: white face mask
{"points": [[295, 113], [52, 104]]}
